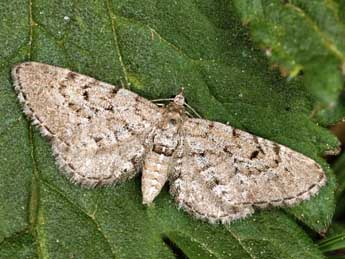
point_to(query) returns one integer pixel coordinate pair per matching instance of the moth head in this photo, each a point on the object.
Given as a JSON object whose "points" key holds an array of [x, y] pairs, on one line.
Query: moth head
{"points": [[177, 104], [179, 99]]}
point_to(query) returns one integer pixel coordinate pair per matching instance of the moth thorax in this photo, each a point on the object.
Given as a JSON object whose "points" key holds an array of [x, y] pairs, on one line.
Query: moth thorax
{"points": [[165, 143]]}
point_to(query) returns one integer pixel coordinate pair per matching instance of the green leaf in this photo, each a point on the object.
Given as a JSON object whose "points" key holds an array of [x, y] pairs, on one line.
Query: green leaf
{"points": [[154, 48], [20, 245], [339, 169], [333, 243], [302, 35]]}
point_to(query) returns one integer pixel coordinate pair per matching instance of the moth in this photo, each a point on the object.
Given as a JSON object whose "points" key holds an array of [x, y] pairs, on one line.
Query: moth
{"points": [[102, 135]]}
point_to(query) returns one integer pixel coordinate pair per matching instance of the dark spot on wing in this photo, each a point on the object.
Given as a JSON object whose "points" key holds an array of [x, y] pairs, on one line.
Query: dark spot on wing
{"points": [[71, 105], [321, 176], [311, 187], [97, 139], [62, 86], [109, 108], [276, 149], [114, 91], [86, 86], [216, 181], [227, 149], [261, 150], [72, 75], [235, 133], [254, 154], [49, 130], [71, 166], [86, 96], [39, 119], [301, 193], [24, 95], [94, 109], [260, 202]]}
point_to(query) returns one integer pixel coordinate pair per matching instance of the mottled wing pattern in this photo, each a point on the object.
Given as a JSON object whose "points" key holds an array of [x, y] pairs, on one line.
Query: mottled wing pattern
{"points": [[98, 132], [222, 173]]}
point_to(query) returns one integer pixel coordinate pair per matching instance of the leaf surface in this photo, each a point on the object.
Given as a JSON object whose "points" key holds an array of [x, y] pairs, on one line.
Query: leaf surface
{"points": [[302, 35]]}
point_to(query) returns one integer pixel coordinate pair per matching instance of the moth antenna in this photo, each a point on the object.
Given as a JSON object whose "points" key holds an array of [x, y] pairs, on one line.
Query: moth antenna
{"points": [[162, 100], [193, 110]]}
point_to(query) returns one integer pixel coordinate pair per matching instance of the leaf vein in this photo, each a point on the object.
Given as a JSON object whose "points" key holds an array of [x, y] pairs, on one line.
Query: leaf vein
{"points": [[77, 207], [240, 243], [112, 18], [328, 43]]}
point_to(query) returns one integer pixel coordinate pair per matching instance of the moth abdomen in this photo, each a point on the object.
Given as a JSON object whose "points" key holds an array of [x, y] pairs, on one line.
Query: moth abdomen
{"points": [[154, 175]]}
